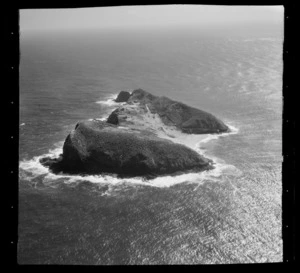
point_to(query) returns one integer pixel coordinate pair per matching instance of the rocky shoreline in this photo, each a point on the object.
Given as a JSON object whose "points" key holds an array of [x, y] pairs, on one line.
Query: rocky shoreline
{"points": [[128, 144]]}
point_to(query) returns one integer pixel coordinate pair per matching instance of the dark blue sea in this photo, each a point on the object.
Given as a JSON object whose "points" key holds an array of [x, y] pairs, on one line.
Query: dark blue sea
{"points": [[231, 214]]}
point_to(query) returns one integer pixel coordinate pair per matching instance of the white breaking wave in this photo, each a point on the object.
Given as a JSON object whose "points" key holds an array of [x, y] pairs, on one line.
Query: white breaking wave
{"points": [[110, 104], [100, 119], [110, 101], [208, 137], [32, 169]]}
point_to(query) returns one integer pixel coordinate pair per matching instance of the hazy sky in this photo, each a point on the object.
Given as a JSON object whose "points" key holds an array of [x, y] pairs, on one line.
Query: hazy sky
{"points": [[147, 16]]}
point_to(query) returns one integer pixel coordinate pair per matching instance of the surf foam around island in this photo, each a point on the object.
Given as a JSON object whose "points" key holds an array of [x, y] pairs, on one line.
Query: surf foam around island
{"points": [[32, 169], [109, 105], [104, 118], [209, 137], [110, 101], [195, 142]]}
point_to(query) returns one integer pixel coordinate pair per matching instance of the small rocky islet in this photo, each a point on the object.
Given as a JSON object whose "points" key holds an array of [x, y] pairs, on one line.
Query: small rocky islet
{"points": [[127, 144]]}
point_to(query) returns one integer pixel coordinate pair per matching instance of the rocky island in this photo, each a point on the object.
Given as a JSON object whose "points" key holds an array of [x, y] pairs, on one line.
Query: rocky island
{"points": [[172, 113], [130, 142]]}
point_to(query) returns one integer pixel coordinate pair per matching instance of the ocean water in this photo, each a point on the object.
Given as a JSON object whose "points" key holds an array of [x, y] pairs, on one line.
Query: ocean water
{"points": [[231, 214]]}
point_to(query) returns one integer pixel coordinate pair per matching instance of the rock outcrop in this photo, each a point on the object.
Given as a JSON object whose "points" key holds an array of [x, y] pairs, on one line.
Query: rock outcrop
{"points": [[172, 113], [123, 96], [96, 147], [135, 139]]}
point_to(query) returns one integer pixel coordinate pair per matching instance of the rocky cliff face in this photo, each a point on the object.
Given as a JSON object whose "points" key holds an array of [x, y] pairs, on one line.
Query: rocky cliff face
{"points": [[96, 147], [123, 96]]}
